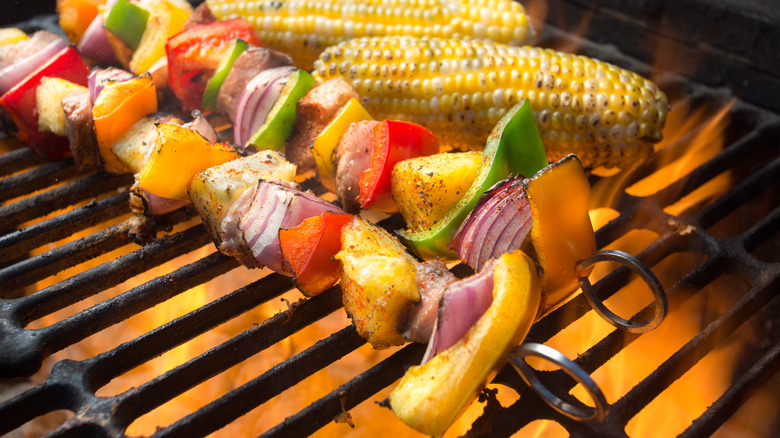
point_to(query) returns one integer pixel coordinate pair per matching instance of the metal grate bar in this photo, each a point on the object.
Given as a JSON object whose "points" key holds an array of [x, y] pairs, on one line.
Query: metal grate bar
{"points": [[349, 395], [143, 399], [686, 357], [741, 194], [259, 390], [36, 268], [18, 160], [15, 243], [737, 394], [21, 352], [42, 204], [37, 179], [133, 353], [116, 309]]}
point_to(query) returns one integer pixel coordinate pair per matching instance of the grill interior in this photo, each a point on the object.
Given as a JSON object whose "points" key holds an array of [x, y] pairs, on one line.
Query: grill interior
{"points": [[73, 231]]}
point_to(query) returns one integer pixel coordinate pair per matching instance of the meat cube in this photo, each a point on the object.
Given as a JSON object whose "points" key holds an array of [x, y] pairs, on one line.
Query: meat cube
{"points": [[79, 129], [315, 111]]}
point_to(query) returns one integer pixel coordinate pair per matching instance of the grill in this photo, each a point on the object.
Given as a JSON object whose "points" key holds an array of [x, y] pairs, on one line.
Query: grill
{"points": [[726, 246]]}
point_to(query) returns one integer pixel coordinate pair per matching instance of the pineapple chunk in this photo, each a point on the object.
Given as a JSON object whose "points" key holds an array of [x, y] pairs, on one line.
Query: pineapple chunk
{"points": [[377, 280], [426, 188], [48, 103], [430, 397], [215, 189]]}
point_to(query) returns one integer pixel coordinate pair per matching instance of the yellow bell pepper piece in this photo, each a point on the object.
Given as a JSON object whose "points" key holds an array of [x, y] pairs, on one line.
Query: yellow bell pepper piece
{"points": [[324, 146], [165, 20], [180, 154], [430, 397], [116, 109], [561, 233], [11, 35]]}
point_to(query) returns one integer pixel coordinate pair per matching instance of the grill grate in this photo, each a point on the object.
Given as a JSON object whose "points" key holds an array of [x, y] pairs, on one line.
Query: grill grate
{"points": [[751, 155]]}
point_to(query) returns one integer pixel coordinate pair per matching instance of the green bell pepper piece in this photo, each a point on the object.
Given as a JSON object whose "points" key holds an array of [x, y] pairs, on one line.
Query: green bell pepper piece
{"points": [[514, 147], [215, 83], [128, 22], [279, 123]]}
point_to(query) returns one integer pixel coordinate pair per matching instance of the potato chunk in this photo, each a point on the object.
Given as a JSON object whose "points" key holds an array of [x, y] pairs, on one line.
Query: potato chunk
{"points": [[377, 279], [426, 188]]}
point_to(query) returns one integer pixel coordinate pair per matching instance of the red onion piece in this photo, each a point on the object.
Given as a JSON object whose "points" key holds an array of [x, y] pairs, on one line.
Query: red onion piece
{"points": [[499, 223], [256, 101], [14, 73], [278, 206], [461, 306], [97, 77], [94, 43], [202, 126], [158, 205]]}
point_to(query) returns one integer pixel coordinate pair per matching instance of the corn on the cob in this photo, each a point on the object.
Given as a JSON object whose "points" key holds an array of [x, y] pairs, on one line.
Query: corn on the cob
{"points": [[304, 28], [459, 89]]}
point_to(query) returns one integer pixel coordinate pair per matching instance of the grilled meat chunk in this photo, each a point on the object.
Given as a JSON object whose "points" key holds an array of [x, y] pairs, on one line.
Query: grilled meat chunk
{"points": [[315, 111], [79, 129]]}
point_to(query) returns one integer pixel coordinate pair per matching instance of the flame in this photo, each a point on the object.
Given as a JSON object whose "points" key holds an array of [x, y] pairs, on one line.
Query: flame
{"points": [[690, 140]]}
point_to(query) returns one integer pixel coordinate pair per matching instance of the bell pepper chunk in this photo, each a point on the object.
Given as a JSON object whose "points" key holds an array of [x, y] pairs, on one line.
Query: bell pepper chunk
{"points": [[514, 147], [195, 53], [308, 250], [323, 147], [215, 83], [127, 21], [11, 35], [75, 16], [274, 132], [562, 233], [19, 102], [430, 397], [118, 107], [181, 154], [395, 141], [165, 20]]}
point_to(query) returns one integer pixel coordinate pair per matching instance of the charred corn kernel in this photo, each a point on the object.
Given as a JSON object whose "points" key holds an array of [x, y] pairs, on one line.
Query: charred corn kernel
{"points": [[303, 28], [459, 89]]}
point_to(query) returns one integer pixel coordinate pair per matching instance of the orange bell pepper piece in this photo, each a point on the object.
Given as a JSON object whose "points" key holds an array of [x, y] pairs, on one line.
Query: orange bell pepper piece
{"points": [[116, 109], [75, 16], [308, 250], [179, 155], [561, 233]]}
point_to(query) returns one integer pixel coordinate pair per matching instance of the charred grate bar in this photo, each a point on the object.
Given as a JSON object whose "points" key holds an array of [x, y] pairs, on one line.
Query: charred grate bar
{"points": [[751, 156]]}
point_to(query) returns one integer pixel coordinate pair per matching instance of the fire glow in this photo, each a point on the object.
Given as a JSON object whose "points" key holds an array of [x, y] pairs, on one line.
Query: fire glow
{"points": [[693, 137]]}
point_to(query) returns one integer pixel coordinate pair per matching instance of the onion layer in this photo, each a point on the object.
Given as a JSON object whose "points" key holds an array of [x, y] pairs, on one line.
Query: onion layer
{"points": [[96, 79], [202, 126], [256, 101], [14, 73], [499, 223], [277, 206], [94, 43], [461, 306]]}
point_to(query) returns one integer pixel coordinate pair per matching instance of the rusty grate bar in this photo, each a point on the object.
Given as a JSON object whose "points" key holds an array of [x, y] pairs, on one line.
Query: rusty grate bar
{"points": [[14, 244], [349, 395], [259, 390], [37, 179], [18, 160], [33, 207]]}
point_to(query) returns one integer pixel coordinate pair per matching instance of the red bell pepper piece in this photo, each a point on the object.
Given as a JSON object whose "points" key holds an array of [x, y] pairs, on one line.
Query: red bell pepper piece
{"points": [[308, 250], [394, 141], [195, 53], [19, 101]]}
